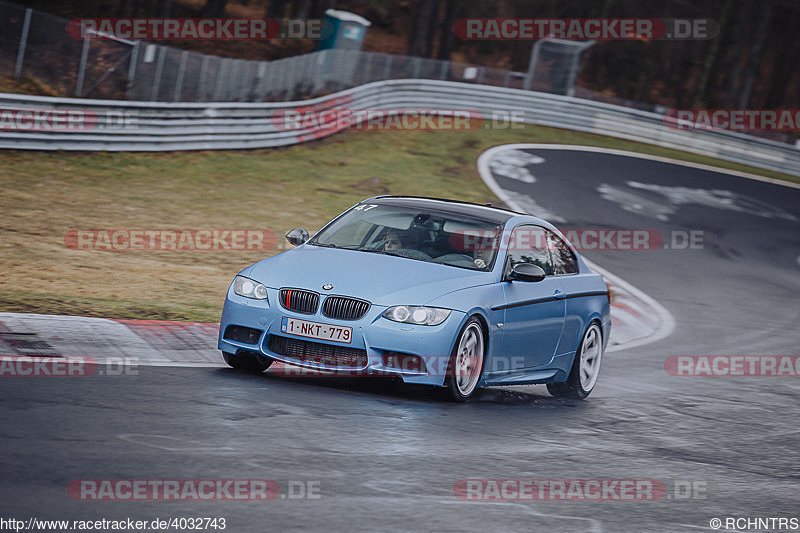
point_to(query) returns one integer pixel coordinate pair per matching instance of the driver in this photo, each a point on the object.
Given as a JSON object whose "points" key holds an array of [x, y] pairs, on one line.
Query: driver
{"points": [[483, 251], [391, 241]]}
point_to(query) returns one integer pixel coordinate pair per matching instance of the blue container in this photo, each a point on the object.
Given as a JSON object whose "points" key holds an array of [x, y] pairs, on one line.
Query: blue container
{"points": [[343, 30]]}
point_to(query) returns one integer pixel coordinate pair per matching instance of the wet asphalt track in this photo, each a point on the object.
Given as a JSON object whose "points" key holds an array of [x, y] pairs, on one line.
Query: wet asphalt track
{"points": [[387, 456]]}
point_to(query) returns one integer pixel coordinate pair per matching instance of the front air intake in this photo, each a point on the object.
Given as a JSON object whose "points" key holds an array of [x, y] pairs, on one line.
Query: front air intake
{"points": [[318, 353], [343, 308], [299, 301], [242, 334]]}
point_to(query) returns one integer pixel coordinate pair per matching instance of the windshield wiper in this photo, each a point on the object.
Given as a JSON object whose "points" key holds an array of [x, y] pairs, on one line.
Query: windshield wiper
{"points": [[368, 250], [357, 249]]}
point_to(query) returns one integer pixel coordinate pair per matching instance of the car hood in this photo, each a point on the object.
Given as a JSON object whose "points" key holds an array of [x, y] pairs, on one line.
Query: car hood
{"points": [[381, 279]]}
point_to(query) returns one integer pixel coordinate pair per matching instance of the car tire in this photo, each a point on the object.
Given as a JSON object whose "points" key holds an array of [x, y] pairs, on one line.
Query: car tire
{"points": [[585, 367], [246, 362], [466, 362]]}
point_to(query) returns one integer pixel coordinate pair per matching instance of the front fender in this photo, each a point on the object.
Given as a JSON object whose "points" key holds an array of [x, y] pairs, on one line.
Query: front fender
{"points": [[479, 301]]}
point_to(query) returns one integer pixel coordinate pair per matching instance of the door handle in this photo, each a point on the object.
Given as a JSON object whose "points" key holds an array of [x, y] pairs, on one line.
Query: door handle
{"points": [[558, 295]]}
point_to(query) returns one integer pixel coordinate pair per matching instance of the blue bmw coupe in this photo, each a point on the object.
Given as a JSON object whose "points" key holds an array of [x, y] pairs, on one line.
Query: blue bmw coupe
{"points": [[437, 292]]}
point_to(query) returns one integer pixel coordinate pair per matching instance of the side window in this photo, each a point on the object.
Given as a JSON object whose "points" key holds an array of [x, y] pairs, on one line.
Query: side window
{"points": [[564, 261], [528, 244]]}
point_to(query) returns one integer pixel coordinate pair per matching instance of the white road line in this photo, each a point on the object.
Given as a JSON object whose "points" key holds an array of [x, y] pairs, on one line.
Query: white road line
{"points": [[581, 148]]}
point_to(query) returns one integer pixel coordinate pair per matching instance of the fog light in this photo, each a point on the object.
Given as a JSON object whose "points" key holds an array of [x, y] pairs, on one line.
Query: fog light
{"points": [[404, 361]]}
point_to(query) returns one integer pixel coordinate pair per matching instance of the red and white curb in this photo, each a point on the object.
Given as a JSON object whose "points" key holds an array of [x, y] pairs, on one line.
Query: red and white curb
{"points": [[119, 342], [636, 318]]}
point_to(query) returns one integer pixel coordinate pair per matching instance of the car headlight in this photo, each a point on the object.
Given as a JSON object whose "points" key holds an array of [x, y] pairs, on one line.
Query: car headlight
{"points": [[423, 316], [249, 289]]}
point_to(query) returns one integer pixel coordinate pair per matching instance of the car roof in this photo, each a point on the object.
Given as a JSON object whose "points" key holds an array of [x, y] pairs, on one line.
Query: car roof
{"points": [[487, 212]]}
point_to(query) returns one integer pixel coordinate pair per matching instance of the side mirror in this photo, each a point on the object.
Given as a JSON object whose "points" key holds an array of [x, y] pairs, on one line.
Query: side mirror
{"points": [[526, 272], [297, 236]]}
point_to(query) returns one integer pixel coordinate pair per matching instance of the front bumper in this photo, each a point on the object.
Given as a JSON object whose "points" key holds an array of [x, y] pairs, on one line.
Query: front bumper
{"points": [[375, 335]]}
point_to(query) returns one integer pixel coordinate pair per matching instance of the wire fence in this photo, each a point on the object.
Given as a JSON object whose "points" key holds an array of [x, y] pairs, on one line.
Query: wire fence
{"points": [[38, 45]]}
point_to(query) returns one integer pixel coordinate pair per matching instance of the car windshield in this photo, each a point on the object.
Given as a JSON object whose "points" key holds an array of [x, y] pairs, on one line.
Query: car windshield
{"points": [[451, 239]]}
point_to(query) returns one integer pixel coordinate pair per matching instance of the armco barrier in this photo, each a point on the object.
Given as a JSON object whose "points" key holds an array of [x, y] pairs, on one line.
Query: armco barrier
{"points": [[153, 126]]}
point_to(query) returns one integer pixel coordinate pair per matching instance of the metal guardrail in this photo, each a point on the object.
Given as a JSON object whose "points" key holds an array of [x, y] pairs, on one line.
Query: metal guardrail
{"points": [[114, 125]]}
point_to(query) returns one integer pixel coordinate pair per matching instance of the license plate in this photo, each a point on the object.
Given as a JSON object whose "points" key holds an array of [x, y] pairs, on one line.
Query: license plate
{"points": [[316, 330]]}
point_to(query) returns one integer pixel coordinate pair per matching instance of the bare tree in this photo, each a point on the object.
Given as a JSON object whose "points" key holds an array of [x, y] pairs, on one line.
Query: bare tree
{"points": [[712, 56], [446, 36], [214, 8], [432, 27], [128, 8], [302, 10], [787, 61], [420, 35], [754, 61], [164, 8], [276, 9]]}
